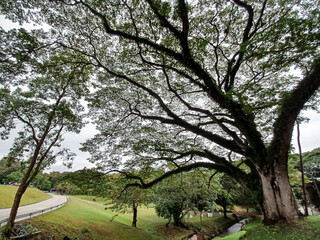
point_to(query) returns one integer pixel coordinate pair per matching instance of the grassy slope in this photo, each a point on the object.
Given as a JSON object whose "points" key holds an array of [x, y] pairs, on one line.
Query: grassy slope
{"points": [[80, 220], [32, 195], [90, 221], [148, 220], [307, 229], [86, 221]]}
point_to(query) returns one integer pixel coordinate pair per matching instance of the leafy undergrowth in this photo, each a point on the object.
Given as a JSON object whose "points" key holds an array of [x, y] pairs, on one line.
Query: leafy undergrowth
{"points": [[32, 195]]}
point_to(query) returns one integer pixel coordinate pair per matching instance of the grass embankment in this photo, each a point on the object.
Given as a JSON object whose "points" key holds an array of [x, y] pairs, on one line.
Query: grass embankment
{"points": [[90, 221], [32, 195], [306, 229], [80, 220], [148, 220]]}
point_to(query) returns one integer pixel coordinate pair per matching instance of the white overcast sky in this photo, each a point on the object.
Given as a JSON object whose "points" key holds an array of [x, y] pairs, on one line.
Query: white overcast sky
{"points": [[309, 132]]}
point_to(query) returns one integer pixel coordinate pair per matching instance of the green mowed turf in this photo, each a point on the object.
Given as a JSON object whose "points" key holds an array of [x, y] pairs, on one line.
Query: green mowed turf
{"points": [[148, 220], [94, 199], [90, 221], [32, 195], [306, 229], [80, 220]]}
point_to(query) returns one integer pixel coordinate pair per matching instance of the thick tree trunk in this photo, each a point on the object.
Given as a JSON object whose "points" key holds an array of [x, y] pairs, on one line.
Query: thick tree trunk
{"points": [[14, 210], [278, 201], [135, 214]]}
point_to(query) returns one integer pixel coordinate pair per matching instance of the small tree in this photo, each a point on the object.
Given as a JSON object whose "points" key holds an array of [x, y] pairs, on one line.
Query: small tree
{"points": [[227, 194], [180, 194], [126, 200], [43, 97]]}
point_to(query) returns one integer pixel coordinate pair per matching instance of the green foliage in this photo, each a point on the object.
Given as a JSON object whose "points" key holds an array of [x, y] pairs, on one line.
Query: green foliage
{"points": [[14, 177], [178, 195], [312, 163], [84, 181], [124, 198], [176, 84], [42, 182], [7, 167], [67, 188]]}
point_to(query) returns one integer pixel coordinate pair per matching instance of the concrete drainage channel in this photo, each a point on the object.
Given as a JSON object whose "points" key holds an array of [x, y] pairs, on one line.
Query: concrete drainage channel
{"points": [[233, 229]]}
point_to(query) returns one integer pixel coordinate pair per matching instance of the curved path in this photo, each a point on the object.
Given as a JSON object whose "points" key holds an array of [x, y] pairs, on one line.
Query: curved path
{"points": [[28, 210]]}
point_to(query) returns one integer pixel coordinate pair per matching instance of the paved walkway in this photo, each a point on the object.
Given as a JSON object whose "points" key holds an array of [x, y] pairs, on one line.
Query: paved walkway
{"points": [[28, 210]]}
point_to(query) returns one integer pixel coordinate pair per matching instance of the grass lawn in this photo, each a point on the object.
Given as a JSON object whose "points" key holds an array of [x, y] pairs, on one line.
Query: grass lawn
{"points": [[90, 221], [306, 229], [80, 220], [32, 195], [95, 199], [148, 220]]}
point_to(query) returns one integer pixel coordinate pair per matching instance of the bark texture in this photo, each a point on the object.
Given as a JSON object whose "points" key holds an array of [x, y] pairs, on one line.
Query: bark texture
{"points": [[278, 201]]}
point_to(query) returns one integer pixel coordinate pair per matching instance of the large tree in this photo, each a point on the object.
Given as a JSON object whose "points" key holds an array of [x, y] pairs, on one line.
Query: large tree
{"points": [[195, 83], [40, 96]]}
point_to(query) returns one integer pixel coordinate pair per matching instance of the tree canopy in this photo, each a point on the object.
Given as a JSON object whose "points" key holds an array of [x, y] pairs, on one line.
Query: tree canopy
{"points": [[41, 92], [193, 83]]}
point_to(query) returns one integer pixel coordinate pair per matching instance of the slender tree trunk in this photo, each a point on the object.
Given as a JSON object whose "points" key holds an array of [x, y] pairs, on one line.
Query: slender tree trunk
{"points": [[14, 209], [135, 214], [21, 189], [302, 173], [278, 201], [225, 210]]}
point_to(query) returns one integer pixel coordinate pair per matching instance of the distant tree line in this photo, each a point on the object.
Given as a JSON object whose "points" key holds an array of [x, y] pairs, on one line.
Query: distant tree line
{"points": [[175, 197]]}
